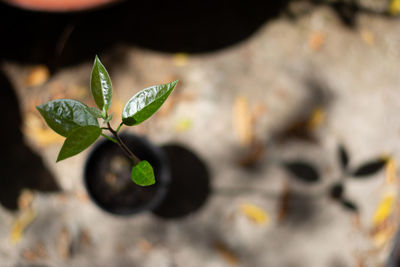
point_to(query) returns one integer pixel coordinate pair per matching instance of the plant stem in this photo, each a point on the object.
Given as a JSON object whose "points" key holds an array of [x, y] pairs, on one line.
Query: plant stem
{"points": [[119, 127], [122, 145], [110, 138]]}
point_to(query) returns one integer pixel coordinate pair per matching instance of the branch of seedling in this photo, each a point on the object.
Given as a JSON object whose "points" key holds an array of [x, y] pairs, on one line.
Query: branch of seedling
{"points": [[79, 123], [117, 140]]}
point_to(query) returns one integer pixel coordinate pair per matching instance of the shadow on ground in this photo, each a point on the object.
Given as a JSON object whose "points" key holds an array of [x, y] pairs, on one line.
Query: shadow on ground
{"points": [[20, 167], [58, 39], [190, 183]]}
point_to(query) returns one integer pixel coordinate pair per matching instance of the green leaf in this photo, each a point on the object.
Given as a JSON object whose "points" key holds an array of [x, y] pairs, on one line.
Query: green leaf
{"points": [[65, 115], [100, 86], [142, 174], [95, 112], [78, 140], [145, 103]]}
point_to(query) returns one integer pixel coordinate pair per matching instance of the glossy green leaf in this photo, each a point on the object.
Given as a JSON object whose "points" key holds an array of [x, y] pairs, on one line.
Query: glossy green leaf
{"points": [[78, 140], [100, 86], [65, 115], [95, 112], [145, 103], [142, 174]]}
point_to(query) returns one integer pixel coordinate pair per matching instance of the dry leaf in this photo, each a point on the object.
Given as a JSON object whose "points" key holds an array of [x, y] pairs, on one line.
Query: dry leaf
{"points": [[180, 59], [242, 121], [316, 40], [63, 243], [258, 111], [36, 253], [255, 152], [82, 196], [42, 135], [383, 236], [37, 76], [394, 7], [226, 253], [391, 171], [368, 37], [145, 245], [316, 119], [254, 213], [385, 208], [84, 238], [383, 227], [20, 224], [183, 124], [25, 199]]}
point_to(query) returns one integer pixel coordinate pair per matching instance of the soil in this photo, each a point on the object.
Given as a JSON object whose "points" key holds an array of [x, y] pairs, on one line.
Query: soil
{"points": [[108, 177]]}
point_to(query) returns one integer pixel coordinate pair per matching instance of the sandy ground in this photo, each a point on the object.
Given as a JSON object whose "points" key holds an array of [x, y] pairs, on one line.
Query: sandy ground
{"points": [[342, 85]]}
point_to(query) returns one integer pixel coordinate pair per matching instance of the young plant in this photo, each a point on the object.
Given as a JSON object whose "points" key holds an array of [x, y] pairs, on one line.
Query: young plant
{"points": [[79, 123]]}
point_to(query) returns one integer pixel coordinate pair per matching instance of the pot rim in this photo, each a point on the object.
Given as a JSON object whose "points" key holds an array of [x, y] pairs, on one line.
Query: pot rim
{"points": [[164, 177]]}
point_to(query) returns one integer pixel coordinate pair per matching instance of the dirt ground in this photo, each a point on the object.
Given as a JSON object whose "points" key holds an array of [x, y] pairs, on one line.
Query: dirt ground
{"points": [[257, 124]]}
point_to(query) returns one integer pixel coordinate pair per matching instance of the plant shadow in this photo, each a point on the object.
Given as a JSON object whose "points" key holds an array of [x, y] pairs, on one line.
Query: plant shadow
{"points": [[190, 183], [21, 167]]}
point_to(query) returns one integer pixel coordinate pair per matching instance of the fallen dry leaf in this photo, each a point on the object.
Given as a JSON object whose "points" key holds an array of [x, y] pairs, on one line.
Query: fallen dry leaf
{"points": [[36, 253], [383, 226], [254, 213], [255, 152], [84, 238], [242, 121], [25, 199], [384, 209], [394, 7], [180, 59], [37, 76], [390, 171], [226, 253], [368, 37], [383, 236], [35, 128], [145, 245], [63, 243], [183, 124], [21, 223], [316, 119], [316, 40]]}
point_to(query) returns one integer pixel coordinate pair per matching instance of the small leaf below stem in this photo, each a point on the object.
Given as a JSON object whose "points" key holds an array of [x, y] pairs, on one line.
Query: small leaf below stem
{"points": [[143, 174]]}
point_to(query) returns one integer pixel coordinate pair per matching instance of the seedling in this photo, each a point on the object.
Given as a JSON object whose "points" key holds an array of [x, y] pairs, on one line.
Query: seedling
{"points": [[79, 123]]}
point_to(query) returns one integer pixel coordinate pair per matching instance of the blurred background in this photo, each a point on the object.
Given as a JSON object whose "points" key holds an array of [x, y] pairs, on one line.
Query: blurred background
{"points": [[282, 135]]}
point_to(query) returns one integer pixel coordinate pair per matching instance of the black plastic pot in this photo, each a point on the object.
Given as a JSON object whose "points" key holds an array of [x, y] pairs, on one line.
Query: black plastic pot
{"points": [[107, 177]]}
